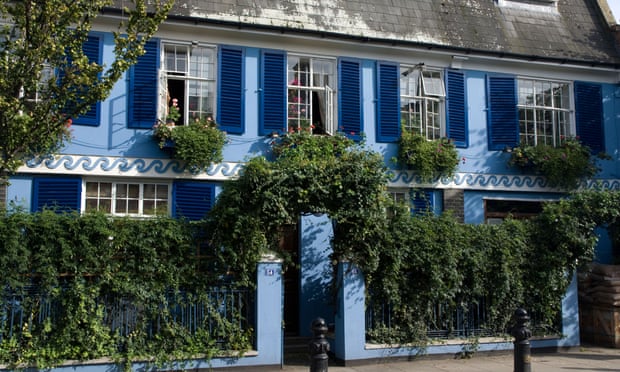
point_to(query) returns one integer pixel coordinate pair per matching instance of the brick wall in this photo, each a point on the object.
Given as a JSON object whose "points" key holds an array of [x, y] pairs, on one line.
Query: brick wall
{"points": [[454, 201]]}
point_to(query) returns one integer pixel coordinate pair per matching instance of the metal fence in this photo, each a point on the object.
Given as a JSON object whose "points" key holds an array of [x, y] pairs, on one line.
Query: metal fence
{"points": [[449, 322], [443, 322], [23, 310]]}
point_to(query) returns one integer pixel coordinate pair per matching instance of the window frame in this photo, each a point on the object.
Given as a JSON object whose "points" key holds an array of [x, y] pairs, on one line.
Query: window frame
{"points": [[430, 104], [559, 131], [187, 78], [327, 95], [113, 196], [518, 210]]}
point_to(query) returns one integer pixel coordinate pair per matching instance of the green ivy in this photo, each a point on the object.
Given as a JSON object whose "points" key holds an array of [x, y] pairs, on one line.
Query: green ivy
{"points": [[430, 159], [80, 263], [198, 144], [410, 262], [565, 166]]}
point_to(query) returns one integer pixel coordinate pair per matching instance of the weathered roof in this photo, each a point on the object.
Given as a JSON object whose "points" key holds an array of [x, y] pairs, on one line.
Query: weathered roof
{"points": [[573, 30]]}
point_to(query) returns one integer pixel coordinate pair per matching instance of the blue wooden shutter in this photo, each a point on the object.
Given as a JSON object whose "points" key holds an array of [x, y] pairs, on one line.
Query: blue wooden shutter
{"points": [[64, 194], [421, 201], [92, 50], [143, 95], [456, 108], [589, 115], [388, 102], [230, 90], [502, 114], [192, 200], [273, 89], [350, 97]]}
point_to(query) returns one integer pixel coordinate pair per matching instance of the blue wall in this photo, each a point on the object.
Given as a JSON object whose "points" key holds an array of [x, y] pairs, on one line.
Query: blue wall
{"points": [[316, 271]]}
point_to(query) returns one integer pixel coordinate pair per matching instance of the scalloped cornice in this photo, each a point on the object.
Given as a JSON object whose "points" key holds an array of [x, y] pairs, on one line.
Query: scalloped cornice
{"points": [[169, 168], [126, 167]]}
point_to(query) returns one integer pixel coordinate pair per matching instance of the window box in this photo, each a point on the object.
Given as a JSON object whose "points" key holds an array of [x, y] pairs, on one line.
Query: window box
{"points": [[198, 144], [564, 166], [430, 159]]}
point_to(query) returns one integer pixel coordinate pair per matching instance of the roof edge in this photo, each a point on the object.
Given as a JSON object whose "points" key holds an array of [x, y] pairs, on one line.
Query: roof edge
{"points": [[393, 42]]}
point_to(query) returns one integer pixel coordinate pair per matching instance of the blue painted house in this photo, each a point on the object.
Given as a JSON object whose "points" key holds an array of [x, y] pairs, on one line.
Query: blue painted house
{"points": [[488, 74]]}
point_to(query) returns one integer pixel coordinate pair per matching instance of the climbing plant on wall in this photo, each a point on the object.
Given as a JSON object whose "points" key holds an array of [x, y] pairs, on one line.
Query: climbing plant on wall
{"points": [[411, 262]]}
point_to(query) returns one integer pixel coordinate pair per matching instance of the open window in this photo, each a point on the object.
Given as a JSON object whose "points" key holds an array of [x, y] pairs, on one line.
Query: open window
{"points": [[310, 98], [422, 97], [188, 76]]}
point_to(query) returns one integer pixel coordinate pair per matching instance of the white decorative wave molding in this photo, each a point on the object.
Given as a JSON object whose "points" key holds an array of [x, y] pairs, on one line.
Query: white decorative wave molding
{"points": [[170, 168], [499, 182], [127, 167]]}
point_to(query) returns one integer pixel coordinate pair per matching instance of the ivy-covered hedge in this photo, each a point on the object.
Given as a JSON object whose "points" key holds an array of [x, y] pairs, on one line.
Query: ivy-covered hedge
{"points": [[412, 262], [81, 265], [409, 262]]}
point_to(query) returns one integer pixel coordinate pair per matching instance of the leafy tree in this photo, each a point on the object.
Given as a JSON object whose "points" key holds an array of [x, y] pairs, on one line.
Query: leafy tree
{"points": [[46, 79]]}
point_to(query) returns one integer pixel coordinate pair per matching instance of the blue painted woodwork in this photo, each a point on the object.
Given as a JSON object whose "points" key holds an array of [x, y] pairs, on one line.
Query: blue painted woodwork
{"points": [[589, 115], [350, 98], [388, 102], [502, 112], [230, 117], [456, 108], [273, 92], [62, 194], [142, 92], [192, 200], [92, 48]]}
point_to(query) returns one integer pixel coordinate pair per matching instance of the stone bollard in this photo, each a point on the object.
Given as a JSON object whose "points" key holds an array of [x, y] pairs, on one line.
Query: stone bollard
{"points": [[319, 346], [522, 354]]}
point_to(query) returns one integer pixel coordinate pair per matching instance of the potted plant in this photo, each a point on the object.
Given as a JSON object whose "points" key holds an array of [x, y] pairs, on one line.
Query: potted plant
{"points": [[430, 159], [564, 166], [198, 144]]}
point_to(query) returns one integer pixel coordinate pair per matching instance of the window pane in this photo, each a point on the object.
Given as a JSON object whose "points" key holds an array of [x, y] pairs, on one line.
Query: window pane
{"points": [[149, 191], [133, 206], [91, 204], [175, 58], [201, 99], [134, 191], [121, 191], [121, 206], [148, 207], [105, 205], [409, 79], [433, 84], [105, 189], [162, 207], [92, 189], [202, 62]]}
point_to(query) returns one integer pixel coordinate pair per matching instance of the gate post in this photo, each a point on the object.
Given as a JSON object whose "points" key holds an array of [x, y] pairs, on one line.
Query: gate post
{"points": [[522, 352]]}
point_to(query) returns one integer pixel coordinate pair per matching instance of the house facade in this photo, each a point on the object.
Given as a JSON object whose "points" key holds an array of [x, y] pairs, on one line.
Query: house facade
{"points": [[488, 74]]}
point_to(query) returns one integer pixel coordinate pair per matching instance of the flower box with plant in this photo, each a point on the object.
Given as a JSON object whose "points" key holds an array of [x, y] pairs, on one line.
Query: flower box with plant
{"points": [[198, 144], [564, 166], [430, 159]]}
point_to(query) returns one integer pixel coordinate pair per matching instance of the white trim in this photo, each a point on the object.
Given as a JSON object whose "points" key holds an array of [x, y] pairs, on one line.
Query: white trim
{"points": [[84, 165]]}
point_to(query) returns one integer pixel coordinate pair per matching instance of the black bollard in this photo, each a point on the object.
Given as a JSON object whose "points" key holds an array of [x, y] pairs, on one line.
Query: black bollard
{"points": [[522, 354], [319, 346]]}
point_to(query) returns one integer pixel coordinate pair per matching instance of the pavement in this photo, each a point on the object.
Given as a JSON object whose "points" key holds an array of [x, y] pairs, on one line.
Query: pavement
{"points": [[583, 358]]}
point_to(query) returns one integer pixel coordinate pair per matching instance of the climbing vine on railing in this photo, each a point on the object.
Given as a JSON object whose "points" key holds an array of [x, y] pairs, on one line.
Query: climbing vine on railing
{"points": [[67, 278]]}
